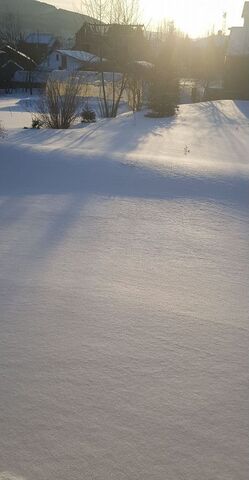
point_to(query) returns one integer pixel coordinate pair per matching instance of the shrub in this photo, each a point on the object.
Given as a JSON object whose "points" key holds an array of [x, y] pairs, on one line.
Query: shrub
{"points": [[163, 110], [163, 96], [111, 94], [88, 115], [37, 123], [134, 91], [59, 104], [162, 104]]}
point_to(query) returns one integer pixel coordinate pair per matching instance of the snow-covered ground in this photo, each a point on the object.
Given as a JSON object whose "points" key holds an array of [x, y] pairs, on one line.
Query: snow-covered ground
{"points": [[124, 297]]}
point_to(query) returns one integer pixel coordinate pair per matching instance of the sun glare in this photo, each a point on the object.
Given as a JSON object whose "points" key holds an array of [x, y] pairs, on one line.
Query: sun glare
{"points": [[194, 17]]}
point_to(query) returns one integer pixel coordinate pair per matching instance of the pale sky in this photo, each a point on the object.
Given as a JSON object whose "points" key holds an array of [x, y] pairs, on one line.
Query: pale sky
{"points": [[195, 17]]}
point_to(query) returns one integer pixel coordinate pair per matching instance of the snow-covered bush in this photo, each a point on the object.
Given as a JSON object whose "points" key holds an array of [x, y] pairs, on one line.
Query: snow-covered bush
{"points": [[59, 104]]}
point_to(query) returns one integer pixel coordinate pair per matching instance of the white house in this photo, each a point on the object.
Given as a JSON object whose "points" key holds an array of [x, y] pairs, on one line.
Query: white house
{"points": [[70, 60]]}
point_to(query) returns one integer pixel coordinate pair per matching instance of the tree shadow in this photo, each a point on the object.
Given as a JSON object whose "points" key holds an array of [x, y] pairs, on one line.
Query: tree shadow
{"points": [[122, 134], [221, 116], [243, 106], [53, 173], [77, 174]]}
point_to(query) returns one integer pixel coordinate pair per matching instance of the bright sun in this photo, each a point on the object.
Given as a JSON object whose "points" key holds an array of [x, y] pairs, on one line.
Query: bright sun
{"points": [[195, 17]]}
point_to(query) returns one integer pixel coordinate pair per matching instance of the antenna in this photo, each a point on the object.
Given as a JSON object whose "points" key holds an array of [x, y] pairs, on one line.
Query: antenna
{"points": [[224, 23]]}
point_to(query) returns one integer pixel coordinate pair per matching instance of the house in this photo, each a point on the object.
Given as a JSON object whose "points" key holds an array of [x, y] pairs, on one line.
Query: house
{"points": [[19, 57], [11, 61], [7, 71], [58, 65], [39, 45], [116, 42], [245, 14], [218, 40], [236, 80], [70, 60]]}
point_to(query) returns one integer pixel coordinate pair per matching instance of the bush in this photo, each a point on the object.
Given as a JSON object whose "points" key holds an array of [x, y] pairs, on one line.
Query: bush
{"points": [[162, 104], [88, 115], [163, 110], [111, 94], [58, 107], [37, 123], [134, 90], [163, 96]]}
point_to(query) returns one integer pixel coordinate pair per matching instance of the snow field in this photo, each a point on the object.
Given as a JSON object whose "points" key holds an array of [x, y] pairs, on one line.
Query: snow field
{"points": [[124, 297]]}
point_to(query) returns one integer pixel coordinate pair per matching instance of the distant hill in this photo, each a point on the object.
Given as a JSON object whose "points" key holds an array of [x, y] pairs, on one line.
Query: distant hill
{"points": [[33, 16]]}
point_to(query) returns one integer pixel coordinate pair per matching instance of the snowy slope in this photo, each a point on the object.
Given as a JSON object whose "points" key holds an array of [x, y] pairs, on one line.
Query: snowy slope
{"points": [[124, 297]]}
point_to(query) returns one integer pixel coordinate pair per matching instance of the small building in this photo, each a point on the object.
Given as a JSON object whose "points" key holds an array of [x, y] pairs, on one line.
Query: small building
{"points": [[70, 60], [236, 78]]}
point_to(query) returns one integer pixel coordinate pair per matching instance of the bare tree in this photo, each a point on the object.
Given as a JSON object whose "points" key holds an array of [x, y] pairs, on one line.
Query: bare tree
{"points": [[134, 91], [59, 105], [10, 29], [117, 12], [99, 9], [125, 12], [78, 6]]}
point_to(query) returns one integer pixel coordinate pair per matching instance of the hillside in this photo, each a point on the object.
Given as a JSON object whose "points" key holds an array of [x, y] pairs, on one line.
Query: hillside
{"points": [[36, 16]]}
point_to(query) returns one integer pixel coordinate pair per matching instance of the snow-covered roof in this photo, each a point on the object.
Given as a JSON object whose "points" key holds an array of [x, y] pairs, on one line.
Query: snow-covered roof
{"points": [[143, 64], [238, 41], [20, 55], [80, 55], [40, 38]]}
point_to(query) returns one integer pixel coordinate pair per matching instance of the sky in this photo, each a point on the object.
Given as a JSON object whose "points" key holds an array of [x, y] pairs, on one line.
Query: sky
{"points": [[195, 17]]}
